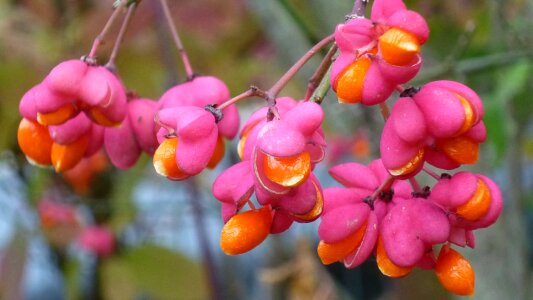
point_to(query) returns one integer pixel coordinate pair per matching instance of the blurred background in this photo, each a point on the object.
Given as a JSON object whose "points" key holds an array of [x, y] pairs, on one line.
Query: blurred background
{"points": [[163, 236]]}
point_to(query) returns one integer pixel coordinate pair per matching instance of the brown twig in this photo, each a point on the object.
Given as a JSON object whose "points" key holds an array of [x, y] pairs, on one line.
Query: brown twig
{"points": [[177, 40], [320, 72], [100, 38], [120, 37]]}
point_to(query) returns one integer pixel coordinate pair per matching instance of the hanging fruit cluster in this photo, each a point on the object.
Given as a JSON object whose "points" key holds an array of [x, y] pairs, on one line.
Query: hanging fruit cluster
{"points": [[381, 209]]}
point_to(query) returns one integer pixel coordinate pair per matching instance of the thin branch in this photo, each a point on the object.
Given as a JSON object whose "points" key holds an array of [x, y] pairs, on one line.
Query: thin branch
{"points": [[384, 187], [282, 82], [322, 89], [431, 173], [415, 185], [320, 72], [100, 38], [253, 91], [384, 109], [111, 62], [359, 9], [177, 40]]}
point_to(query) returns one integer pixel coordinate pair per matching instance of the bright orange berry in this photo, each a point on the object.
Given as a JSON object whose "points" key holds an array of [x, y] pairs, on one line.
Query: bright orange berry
{"points": [[470, 116], [478, 205], [330, 253], [410, 166], [97, 116], [461, 149], [245, 231], [57, 117], [349, 83], [398, 47], [287, 171], [455, 272], [386, 266], [66, 157], [35, 141], [165, 160]]}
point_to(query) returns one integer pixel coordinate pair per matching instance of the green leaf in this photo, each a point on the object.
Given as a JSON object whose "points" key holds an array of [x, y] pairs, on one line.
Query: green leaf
{"points": [[155, 271], [510, 83]]}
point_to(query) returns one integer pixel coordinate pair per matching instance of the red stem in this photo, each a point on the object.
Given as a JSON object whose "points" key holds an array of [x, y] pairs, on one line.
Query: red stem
{"points": [[282, 82], [251, 92], [320, 72], [120, 37], [415, 184], [251, 204], [271, 94], [385, 186], [101, 37], [384, 109], [431, 173], [359, 8], [177, 40]]}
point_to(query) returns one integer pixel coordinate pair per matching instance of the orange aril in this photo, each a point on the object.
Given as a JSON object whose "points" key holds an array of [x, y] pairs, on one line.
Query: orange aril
{"points": [[410, 166], [66, 157], [316, 211], [398, 47], [165, 160], [349, 83], [35, 141], [287, 171], [218, 154], [330, 253], [386, 266], [469, 115], [57, 117], [245, 231], [461, 149], [244, 136], [478, 205], [97, 116], [455, 272]]}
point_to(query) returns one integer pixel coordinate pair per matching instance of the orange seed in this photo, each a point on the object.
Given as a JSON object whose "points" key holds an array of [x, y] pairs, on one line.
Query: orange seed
{"points": [[287, 171], [66, 157], [398, 47], [245, 231], [469, 115], [330, 253], [57, 117], [35, 141], [410, 166], [349, 83], [455, 272], [478, 205], [386, 266], [461, 149], [165, 160]]}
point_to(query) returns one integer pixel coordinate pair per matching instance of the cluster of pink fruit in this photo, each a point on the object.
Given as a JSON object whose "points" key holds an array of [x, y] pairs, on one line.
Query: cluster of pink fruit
{"points": [[440, 123], [79, 107]]}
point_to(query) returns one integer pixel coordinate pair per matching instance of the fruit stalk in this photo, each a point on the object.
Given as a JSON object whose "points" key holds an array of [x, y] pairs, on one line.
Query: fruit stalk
{"points": [[177, 40], [125, 23], [102, 35]]}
